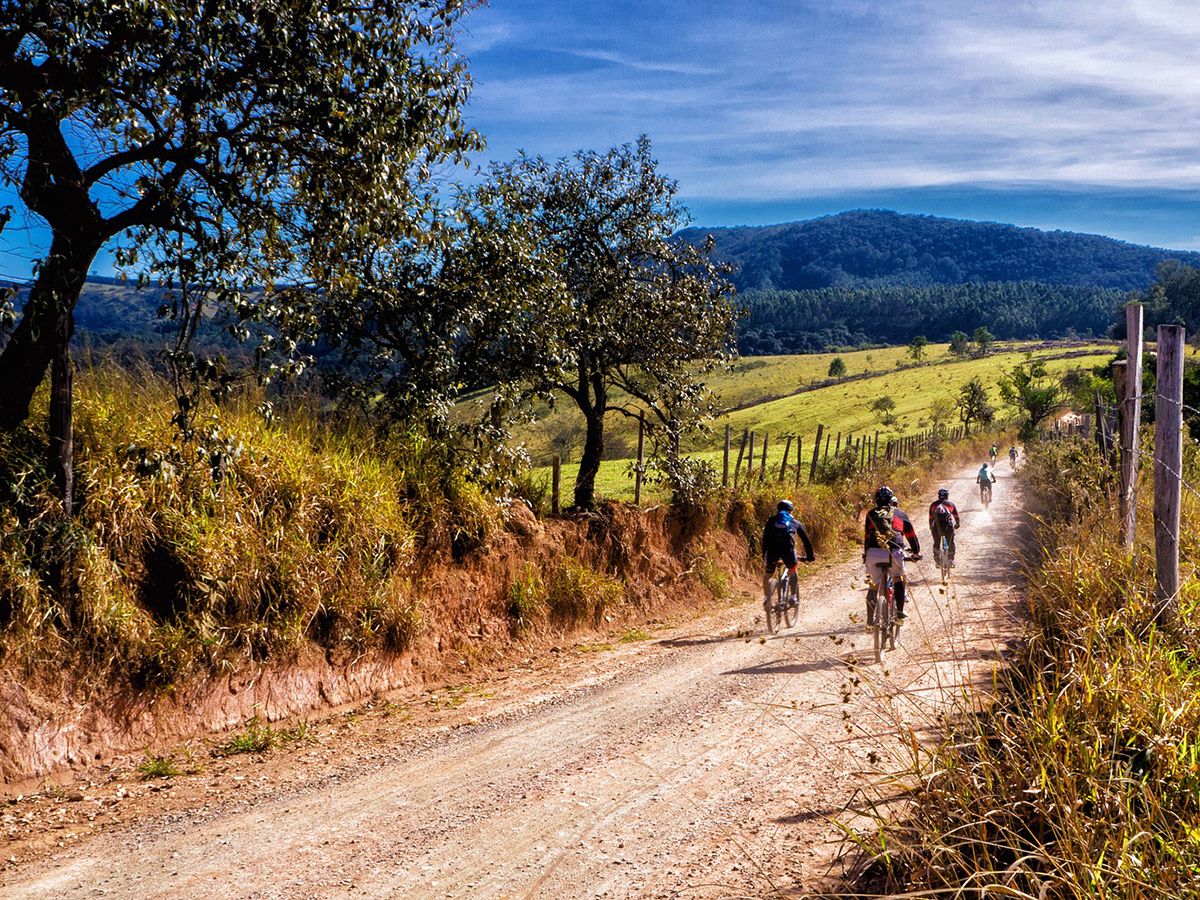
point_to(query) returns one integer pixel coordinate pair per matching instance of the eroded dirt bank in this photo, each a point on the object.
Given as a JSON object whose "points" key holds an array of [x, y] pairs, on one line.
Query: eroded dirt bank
{"points": [[54, 723], [701, 762]]}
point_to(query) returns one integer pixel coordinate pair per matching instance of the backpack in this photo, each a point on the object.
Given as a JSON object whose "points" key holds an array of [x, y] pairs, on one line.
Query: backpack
{"points": [[943, 517], [882, 519]]}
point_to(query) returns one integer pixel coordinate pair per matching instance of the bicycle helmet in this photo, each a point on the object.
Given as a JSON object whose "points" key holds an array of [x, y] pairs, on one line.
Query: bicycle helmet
{"points": [[783, 506], [943, 494], [883, 496]]}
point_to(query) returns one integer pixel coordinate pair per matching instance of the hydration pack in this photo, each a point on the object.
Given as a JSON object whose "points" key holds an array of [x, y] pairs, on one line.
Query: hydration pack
{"points": [[881, 518], [943, 517]]}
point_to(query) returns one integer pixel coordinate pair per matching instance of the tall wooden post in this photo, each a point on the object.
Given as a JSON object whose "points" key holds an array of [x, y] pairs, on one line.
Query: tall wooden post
{"points": [[750, 461], [875, 450], [1168, 467], [825, 455], [555, 482], [799, 458], [837, 446], [737, 470], [786, 452], [725, 466], [1131, 404], [637, 480], [762, 469], [812, 470]]}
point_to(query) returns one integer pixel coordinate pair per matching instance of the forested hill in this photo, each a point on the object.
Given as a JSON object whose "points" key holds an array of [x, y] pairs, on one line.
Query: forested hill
{"points": [[875, 247]]}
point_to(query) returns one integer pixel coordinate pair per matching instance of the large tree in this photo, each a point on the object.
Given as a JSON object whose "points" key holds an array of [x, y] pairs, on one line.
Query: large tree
{"points": [[972, 404], [1030, 388], [633, 309], [222, 131]]}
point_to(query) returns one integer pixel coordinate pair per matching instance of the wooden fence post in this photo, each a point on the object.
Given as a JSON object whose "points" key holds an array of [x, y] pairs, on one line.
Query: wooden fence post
{"points": [[762, 469], [787, 450], [1101, 427], [737, 470], [875, 450], [1168, 466], [725, 465], [555, 481], [837, 446], [750, 461], [637, 478], [1131, 422], [812, 470], [799, 458], [825, 455]]}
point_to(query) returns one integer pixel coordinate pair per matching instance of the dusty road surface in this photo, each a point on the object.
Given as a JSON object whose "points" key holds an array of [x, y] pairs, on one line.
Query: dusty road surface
{"points": [[701, 762]]}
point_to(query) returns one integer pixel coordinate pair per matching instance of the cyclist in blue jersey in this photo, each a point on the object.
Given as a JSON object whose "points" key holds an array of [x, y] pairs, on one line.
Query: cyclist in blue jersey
{"points": [[779, 544]]}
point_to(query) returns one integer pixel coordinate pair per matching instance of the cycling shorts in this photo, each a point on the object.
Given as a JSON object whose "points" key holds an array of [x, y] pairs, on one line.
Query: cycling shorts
{"points": [[789, 558]]}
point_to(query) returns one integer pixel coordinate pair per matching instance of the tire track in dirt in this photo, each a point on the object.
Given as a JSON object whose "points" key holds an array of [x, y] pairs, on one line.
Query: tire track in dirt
{"points": [[703, 764]]}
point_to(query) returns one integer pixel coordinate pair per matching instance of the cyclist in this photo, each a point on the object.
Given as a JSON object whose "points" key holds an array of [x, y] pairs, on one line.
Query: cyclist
{"points": [[779, 543], [886, 529], [992, 453], [943, 521], [1012, 456], [985, 479]]}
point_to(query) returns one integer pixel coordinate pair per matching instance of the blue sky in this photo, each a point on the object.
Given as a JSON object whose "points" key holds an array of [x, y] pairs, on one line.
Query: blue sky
{"points": [[1075, 115]]}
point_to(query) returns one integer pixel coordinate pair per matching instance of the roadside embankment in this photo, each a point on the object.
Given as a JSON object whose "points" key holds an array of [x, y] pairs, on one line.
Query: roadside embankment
{"points": [[298, 563]]}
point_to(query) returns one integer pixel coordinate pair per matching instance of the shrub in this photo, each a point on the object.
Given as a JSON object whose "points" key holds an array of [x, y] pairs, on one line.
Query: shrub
{"points": [[575, 593]]}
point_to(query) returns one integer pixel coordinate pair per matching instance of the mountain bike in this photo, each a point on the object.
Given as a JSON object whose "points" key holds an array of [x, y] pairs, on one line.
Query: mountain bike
{"points": [[783, 605], [941, 555], [985, 493], [881, 606]]}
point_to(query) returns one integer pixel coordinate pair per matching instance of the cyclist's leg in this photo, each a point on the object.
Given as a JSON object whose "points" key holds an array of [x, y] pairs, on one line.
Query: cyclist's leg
{"points": [[950, 545], [899, 576], [794, 583], [768, 577]]}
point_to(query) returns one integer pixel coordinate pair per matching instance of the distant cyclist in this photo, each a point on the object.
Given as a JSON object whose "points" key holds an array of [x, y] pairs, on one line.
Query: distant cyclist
{"points": [[943, 522], [992, 453], [985, 479], [1012, 456], [779, 544], [886, 529]]}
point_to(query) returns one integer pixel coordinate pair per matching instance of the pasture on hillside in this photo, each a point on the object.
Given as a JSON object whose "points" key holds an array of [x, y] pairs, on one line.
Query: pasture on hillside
{"points": [[761, 394]]}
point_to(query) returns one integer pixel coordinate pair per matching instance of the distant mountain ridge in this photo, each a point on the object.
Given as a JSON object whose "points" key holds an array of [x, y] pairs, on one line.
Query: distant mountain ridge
{"points": [[879, 247]]}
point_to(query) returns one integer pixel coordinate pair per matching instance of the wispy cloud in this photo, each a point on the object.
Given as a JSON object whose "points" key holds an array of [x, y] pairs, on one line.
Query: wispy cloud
{"points": [[776, 98]]}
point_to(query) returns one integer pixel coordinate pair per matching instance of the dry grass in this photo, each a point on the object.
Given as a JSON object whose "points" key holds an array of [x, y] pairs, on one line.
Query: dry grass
{"points": [[1083, 780], [299, 531]]}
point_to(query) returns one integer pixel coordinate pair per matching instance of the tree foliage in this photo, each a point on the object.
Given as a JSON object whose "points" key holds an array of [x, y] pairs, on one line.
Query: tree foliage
{"points": [[852, 315], [879, 248], [959, 343], [218, 143], [916, 347], [837, 367], [1029, 388], [982, 339], [884, 409], [973, 405]]}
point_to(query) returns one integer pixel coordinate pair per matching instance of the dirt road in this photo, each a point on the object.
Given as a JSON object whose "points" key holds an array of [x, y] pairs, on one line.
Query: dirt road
{"points": [[701, 763]]}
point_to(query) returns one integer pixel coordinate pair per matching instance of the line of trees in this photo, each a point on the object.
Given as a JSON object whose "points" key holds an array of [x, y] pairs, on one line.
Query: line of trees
{"points": [[287, 165]]}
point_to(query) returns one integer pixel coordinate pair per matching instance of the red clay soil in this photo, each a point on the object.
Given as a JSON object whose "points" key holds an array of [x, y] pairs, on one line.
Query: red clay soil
{"points": [[692, 757]]}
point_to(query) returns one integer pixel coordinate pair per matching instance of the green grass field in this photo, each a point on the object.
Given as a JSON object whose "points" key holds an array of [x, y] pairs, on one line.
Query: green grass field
{"points": [[760, 386]]}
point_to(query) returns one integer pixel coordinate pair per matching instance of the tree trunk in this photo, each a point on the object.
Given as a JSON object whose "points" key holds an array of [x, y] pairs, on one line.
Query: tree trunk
{"points": [[43, 339], [589, 463], [44, 331]]}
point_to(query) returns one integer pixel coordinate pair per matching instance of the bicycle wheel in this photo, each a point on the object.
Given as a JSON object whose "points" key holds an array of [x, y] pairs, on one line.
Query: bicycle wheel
{"points": [[888, 613], [791, 605], [944, 559]]}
